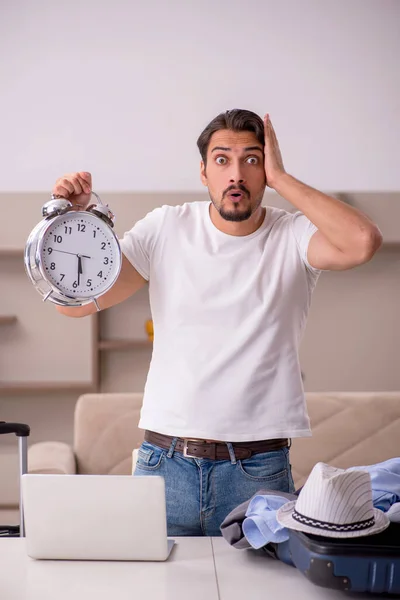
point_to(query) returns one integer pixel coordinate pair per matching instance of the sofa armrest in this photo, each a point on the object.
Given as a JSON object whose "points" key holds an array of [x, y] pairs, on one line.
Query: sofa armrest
{"points": [[51, 457]]}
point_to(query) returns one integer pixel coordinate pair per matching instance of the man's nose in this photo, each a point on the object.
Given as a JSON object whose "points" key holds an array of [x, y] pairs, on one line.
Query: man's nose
{"points": [[237, 174]]}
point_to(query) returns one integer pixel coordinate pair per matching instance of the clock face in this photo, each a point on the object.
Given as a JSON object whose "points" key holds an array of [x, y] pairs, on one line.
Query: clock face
{"points": [[80, 255]]}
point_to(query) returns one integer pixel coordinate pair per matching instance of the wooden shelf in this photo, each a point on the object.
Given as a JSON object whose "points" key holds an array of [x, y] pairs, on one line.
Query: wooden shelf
{"points": [[39, 387], [124, 344], [11, 253], [390, 246], [19, 252], [8, 319]]}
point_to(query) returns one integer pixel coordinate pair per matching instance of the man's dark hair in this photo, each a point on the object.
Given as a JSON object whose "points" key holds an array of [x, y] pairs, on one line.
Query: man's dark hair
{"points": [[235, 120]]}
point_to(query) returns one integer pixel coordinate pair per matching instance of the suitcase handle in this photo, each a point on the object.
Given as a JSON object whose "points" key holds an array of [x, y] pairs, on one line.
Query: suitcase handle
{"points": [[20, 429]]}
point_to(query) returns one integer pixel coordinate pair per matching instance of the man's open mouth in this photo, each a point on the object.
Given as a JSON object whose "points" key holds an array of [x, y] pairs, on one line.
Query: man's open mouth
{"points": [[235, 196]]}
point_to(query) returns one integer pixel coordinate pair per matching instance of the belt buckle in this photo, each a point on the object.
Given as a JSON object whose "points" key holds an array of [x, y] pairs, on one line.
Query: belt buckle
{"points": [[185, 445]]}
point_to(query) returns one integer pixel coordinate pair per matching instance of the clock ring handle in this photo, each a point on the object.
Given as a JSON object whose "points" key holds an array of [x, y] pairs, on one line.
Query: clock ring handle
{"points": [[98, 198]]}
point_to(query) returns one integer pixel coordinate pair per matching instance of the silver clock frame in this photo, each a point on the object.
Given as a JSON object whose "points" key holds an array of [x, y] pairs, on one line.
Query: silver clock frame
{"points": [[55, 210]]}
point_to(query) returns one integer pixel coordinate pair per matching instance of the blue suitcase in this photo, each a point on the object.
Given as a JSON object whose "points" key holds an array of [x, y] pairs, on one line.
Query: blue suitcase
{"points": [[364, 564]]}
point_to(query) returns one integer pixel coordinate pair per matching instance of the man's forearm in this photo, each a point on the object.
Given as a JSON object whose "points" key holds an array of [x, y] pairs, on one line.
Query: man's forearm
{"points": [[343, 225], [77, 311]]}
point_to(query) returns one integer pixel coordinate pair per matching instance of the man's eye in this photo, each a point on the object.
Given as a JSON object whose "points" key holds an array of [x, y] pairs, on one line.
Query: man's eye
{"points": [[252, 160], [221, 160]]}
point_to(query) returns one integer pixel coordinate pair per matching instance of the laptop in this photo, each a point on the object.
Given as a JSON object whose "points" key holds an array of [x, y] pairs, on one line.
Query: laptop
{"points": [[95, 517]]}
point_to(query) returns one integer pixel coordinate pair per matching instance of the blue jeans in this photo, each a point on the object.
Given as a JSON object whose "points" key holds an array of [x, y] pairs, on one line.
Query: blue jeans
{"points": [[200, 492]]}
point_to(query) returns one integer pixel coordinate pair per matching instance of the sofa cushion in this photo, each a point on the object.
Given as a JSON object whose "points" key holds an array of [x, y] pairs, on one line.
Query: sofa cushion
{"points": [[348, 429]]}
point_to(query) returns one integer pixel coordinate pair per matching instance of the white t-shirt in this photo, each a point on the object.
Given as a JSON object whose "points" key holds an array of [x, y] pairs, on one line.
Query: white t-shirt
{"points": [[229, 313]]}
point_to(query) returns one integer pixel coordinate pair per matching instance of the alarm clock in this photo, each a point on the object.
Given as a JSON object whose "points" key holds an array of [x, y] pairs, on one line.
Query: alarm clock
{"points": [[73, 256]]}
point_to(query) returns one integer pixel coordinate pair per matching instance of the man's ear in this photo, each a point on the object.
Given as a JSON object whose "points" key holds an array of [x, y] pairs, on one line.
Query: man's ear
{"points": [[203, 175]]}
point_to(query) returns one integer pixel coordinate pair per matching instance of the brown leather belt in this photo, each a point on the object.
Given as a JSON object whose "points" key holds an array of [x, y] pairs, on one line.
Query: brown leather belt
{"points": [[196, 448]]}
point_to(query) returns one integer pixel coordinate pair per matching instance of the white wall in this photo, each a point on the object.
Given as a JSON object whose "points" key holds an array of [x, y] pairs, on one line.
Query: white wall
{"points": [[123, 88]]}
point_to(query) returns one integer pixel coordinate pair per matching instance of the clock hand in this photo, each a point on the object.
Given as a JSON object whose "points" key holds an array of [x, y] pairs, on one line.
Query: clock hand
{"points": [[80, 265], [80, 271], [73, 253]]}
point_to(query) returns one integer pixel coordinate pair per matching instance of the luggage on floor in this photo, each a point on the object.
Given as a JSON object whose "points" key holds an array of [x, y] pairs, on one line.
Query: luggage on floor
{"points": [[21, 431]]}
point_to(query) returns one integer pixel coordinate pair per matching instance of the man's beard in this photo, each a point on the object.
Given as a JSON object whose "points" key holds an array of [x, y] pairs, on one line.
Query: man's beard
{"points": [[237, 215]]}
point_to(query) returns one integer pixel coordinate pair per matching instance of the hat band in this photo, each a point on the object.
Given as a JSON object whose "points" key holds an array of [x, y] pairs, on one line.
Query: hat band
{"points": [[357, 526]]}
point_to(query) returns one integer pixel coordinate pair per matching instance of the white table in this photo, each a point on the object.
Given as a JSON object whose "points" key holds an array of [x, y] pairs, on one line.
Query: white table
{"points": [[189, 567], [198, 568]]}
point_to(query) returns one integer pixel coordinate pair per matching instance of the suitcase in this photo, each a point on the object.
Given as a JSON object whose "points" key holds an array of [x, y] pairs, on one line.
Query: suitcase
{"points": [[279, 551], [21, 431], [364, 564]]}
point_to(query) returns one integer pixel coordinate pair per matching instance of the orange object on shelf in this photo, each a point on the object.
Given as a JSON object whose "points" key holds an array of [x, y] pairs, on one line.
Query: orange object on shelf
{"points": [[149, 329]]}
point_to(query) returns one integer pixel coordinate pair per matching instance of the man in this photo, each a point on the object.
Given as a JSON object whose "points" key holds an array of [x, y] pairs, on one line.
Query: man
{"points": [[230, 288]]}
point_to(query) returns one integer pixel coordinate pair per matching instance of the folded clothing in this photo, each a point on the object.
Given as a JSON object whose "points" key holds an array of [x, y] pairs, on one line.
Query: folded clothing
{"points": [[261, 526], [385, 482], [231, 527], [394, 513]]}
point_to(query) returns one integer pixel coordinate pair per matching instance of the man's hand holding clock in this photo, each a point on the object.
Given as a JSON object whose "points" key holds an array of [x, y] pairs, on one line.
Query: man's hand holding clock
{"points": [[73, 256], [75, 187]]}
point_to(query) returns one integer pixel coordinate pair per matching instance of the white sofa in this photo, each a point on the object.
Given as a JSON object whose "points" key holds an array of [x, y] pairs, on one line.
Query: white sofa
{"points": [[349, 429]]}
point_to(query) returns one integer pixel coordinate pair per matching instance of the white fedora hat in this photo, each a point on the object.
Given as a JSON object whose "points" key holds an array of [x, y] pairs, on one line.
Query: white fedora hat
{"points": [[334, 503]]}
